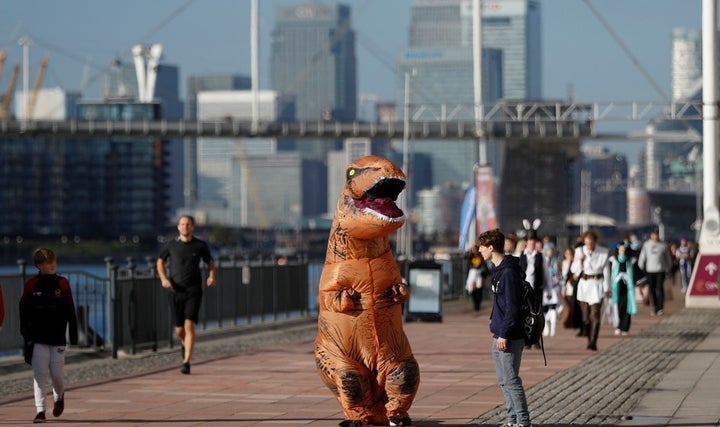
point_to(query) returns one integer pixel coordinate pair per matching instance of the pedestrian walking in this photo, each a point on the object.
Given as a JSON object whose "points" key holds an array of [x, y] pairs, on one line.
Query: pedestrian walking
{"points": [[533, 265], [623, 290], [552, 307], [478, 274], [591, 269], [686, 258], [655, 260], [506, 324], [571, 316], [47, 310], [185, 279]]}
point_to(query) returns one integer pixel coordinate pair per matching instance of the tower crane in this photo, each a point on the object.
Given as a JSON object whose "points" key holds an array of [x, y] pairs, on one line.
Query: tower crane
{"points": [[36, 87], [3, 55], [251, 188], [9, 94]]}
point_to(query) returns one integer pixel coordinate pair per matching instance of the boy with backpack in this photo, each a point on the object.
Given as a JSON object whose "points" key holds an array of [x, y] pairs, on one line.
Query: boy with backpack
{"points": [[507, 324]]}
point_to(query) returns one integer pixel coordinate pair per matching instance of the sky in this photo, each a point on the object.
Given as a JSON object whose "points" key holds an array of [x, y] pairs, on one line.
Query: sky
{"points": [[592, 50]]}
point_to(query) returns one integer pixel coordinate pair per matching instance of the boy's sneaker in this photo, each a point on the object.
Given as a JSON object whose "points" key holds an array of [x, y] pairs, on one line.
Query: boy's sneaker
{"points": [[59, 406], [185, 368], [405, 422], [39, 418]]}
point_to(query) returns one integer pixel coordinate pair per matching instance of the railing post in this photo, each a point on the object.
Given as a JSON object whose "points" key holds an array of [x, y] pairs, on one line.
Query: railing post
{"points": [[114, 306], [22, 266], [236, 288], [131, 303]]}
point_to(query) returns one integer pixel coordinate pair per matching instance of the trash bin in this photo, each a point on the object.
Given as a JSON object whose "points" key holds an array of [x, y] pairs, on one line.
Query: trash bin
{"points": [[425, 281]]}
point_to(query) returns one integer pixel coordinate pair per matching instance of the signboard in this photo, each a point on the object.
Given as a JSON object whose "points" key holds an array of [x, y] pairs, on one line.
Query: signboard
{"points": [[485, 200], [705, 276], [425, 281], [703, 289]]}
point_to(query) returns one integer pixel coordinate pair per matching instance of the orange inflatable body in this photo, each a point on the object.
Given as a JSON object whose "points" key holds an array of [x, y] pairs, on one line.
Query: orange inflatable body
{"points": [[361, 350]]}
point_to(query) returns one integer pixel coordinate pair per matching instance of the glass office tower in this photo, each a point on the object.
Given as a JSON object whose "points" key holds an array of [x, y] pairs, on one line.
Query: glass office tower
{"points": [[313, 58]]}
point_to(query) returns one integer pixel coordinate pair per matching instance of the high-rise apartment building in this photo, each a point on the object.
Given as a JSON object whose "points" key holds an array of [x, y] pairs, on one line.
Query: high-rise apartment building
{"points": [[115, 187]]}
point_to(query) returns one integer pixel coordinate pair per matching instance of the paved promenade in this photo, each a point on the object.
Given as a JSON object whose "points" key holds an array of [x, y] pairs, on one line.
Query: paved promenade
{"points": [[666, 372]]}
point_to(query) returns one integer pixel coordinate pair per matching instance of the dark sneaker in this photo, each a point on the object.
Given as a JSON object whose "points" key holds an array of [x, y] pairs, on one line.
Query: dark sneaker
{"points": [[182, 351], [350, 423], [39, 418], [59, 407], [185, 368], [405, 422]]}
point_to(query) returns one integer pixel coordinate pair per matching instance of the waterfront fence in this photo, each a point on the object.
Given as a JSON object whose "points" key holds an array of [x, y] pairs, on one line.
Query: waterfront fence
{"points": [[128, 311]]}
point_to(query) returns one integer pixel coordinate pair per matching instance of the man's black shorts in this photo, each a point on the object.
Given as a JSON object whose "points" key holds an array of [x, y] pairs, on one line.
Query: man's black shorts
{"points": [[186, 306]]}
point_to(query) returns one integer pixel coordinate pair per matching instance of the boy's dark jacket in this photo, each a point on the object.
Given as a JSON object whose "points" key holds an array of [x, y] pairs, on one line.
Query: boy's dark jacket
{"points": [[46, 310], [506, 319]]}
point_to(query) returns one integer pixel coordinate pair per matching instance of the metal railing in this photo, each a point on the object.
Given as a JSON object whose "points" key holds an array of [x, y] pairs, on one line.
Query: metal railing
{"points": [[129, 311]]}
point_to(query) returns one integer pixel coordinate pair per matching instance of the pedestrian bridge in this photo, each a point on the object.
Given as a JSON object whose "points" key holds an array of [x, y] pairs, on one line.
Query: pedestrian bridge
{"points": [[520, 120]]}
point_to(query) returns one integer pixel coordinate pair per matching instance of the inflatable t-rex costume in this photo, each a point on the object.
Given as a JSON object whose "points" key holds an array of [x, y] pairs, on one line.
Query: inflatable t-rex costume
{"points": [[361, 350]]}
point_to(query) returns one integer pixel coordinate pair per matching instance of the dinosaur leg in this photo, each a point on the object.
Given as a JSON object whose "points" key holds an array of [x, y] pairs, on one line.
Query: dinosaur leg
{"points": [[401, 385], [354, 387]]}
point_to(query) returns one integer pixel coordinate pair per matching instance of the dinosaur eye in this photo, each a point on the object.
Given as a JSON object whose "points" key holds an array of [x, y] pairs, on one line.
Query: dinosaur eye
{"points": [[351, 172]]}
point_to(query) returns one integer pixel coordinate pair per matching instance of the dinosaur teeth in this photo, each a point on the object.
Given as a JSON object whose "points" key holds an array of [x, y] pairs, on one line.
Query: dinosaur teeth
{"points": [[383, 217]]}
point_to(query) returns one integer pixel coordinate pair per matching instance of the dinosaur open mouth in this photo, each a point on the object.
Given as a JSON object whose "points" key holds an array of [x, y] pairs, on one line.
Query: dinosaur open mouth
{"points": [[382, 196]]}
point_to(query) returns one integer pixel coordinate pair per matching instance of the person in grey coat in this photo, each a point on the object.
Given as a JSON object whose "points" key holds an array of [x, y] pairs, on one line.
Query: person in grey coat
{"points": [[655, 261]]}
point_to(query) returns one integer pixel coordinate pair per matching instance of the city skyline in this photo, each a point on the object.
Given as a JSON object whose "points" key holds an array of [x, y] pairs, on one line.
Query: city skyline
{"points": [[584, 55]]}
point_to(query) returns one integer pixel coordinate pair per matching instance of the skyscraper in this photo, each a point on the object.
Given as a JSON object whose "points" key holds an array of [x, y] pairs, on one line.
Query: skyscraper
{"points": [[437, 70], [513, 26], [313, 58]]}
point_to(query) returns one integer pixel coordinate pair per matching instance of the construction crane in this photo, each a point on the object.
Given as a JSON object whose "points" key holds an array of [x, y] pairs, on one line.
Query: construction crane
{"points": [[3, 55], [9, 94], [36, 88], [251, 188]]}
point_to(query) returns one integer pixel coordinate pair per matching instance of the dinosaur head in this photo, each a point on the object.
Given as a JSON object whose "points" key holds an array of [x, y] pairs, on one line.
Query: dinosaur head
{"points": [[367, 209]]}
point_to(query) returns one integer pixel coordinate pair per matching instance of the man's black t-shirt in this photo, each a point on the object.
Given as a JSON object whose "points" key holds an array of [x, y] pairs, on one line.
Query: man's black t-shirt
{"points": [[184, 262]]}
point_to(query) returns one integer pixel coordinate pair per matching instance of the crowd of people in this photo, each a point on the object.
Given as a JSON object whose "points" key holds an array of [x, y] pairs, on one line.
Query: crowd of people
{"points": [[587, 282], [586, 285]]}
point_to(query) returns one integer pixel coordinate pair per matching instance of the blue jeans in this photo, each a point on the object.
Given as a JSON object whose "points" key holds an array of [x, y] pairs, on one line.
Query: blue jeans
{"points": [[507, 367]]}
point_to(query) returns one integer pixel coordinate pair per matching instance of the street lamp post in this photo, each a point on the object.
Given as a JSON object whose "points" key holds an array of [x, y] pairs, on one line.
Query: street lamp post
{"points": [[405, 235]]}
